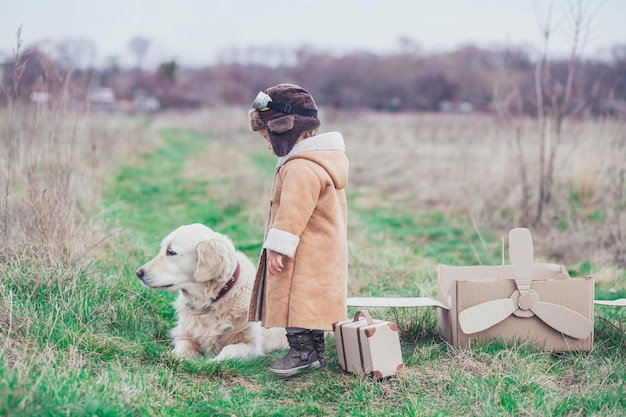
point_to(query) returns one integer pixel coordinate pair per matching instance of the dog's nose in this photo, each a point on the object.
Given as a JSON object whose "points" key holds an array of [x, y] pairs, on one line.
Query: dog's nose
{"points": [[140, 273]]}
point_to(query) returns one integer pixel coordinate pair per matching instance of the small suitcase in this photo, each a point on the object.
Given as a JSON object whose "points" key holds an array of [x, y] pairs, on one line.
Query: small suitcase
{"points": [[368, 347]]}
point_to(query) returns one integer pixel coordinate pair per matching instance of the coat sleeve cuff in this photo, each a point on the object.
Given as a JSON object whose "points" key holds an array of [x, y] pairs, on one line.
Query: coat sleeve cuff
{"points": [[281, 242]]}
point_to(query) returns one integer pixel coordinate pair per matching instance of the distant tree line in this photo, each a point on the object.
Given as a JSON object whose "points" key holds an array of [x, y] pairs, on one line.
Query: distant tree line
{"points": [[467, 78]]}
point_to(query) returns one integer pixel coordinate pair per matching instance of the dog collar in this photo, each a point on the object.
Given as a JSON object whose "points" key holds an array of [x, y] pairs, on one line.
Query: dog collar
{"points": [[230, 284]]}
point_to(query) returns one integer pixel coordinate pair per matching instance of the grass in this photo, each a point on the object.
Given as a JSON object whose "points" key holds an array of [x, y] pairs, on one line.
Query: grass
{"points": [[87, 339]]}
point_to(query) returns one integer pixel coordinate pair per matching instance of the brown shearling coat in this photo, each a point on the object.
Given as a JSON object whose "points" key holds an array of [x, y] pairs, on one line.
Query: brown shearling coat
{"points": [[308, 223]]}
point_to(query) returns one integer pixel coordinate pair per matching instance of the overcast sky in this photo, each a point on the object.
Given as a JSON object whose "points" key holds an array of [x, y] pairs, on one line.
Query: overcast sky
{"points": [[195, 32]]}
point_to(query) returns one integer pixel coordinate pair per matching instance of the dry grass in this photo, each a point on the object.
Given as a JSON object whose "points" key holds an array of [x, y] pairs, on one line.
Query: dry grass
{"points": [[52, 175], [467, 165], [463, 165]]}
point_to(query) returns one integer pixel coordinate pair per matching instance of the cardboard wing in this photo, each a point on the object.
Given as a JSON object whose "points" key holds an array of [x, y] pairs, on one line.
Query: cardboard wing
{"points": [[621, 302], [395, 302]]}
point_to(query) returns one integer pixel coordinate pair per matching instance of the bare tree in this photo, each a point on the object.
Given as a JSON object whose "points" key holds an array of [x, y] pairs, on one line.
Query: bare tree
{"points": [[140, 47], [76, 53], [11, 93], [554, 99]]}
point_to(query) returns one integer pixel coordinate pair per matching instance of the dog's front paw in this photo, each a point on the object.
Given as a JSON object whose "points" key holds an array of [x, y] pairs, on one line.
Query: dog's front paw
{"points": [[184, 349], [237, 351]]}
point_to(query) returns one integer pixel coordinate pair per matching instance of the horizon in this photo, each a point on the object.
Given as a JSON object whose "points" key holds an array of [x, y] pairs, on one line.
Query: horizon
{"points": [[196, 33]]}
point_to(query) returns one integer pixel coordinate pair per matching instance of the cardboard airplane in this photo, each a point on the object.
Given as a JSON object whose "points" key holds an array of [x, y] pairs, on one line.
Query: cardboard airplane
{"points": [[525, 301]]}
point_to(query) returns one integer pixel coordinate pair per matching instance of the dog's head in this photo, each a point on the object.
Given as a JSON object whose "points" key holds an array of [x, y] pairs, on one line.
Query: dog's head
{"points": [[191, 255]]}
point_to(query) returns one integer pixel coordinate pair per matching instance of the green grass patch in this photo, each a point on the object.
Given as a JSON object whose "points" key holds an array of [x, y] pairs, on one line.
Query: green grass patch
{"points": [[430, 235]]}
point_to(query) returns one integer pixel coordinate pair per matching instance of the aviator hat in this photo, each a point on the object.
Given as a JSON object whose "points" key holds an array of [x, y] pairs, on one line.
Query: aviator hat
{"points": [[290, 112]]}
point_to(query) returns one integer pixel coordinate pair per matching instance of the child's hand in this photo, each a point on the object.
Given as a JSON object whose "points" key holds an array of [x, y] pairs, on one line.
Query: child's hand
{"points": [[275, 262]]}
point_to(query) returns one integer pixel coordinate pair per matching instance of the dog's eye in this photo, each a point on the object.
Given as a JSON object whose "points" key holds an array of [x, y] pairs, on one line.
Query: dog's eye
{"points": [[170, 252]]}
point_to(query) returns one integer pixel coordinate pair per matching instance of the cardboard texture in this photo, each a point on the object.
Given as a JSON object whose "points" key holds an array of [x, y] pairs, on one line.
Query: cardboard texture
{"points": [[367, 346], [525, 302]]}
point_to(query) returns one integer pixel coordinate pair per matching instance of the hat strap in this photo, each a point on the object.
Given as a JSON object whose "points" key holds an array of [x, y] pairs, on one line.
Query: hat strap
{"points": [[289, 109]]}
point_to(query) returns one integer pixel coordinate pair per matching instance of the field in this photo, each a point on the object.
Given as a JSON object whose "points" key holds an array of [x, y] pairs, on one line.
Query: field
{"points": [[86, 199]]}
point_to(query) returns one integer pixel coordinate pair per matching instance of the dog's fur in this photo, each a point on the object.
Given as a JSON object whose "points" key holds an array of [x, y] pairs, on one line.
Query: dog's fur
{"points": [[198, 262]]}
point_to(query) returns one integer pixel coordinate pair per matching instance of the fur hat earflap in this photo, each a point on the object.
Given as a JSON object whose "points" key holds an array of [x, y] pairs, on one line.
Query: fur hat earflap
{"points": [[256, 123], [283, 128], [282, 124]]}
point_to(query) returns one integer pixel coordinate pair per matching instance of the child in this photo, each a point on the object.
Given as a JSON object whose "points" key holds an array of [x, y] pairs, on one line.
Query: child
{"points": [[301, 282]]}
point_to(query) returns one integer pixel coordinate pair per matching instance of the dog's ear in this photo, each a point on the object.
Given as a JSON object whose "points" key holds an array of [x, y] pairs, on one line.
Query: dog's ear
{"points": [[214, 262]]}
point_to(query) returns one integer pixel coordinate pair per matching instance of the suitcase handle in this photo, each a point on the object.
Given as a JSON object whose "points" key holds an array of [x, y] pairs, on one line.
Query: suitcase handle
{"points": [[368, 316]]}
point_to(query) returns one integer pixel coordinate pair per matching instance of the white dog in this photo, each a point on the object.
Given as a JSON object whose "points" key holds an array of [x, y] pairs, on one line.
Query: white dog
{"points": [[214, 281]]}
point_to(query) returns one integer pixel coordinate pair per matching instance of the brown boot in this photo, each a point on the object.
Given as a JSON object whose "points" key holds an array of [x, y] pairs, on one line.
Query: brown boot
{"points": [[302, 355], [318, 339]]}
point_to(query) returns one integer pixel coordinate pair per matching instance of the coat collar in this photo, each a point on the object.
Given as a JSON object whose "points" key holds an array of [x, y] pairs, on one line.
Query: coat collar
{"points": [[331, 141]]}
